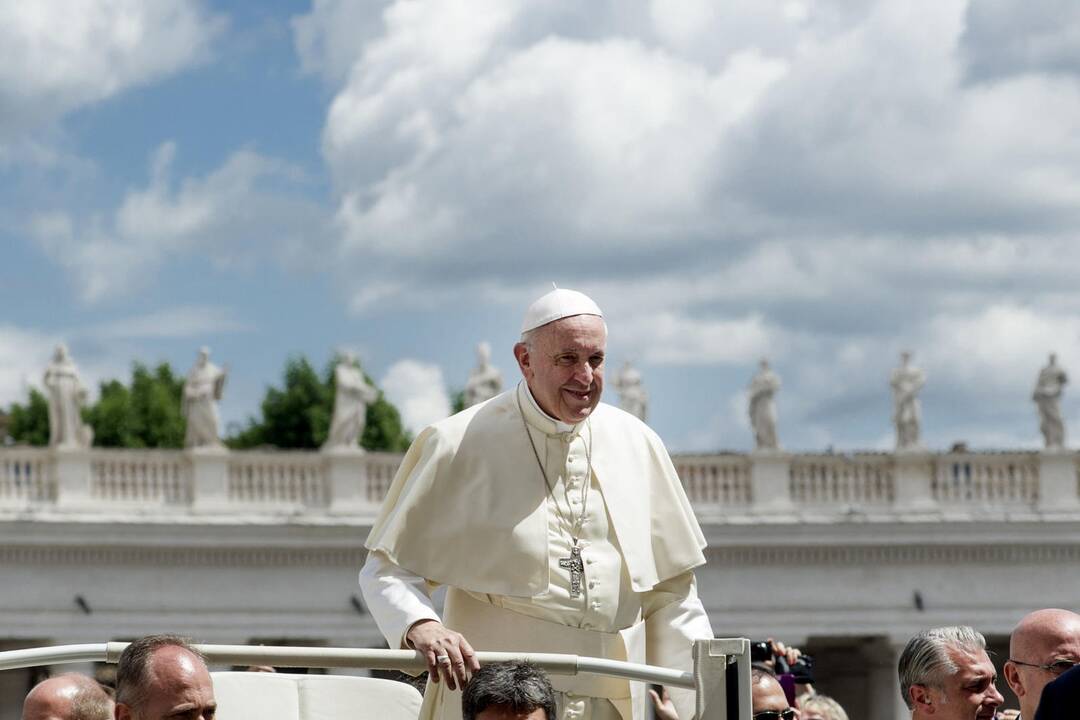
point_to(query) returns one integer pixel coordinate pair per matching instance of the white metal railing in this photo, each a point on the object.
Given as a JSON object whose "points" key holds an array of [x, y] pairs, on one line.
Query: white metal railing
{"points": [[713, 661], [842, 480]]}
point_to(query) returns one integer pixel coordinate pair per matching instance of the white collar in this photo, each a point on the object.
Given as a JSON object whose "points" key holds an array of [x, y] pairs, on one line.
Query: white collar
{"points": [[559, 425]]}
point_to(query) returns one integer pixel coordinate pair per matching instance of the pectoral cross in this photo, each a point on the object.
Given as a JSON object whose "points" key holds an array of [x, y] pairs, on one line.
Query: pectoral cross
{"points": [[577, 570]]}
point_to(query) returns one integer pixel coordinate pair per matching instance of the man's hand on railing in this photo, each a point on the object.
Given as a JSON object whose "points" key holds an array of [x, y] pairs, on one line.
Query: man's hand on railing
{"points": [[665, 709], [449, 655]]}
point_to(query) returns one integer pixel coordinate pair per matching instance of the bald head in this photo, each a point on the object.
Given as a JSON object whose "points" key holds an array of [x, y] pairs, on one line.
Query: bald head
{"points": [[1040, 640], [1043, 628], [766, 693], [67, 697], [162, 676]]}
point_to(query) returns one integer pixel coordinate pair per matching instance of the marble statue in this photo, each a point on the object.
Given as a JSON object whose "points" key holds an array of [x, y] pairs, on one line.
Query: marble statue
{"points": [[1047, 396], [352, 396], [485, 380], [633, 397], [907, 380], [763, 388], [67, 396], [202, 389]]}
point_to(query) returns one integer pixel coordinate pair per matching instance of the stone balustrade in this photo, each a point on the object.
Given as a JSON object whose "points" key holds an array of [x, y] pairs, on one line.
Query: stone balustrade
{"points": [[723, 487]]}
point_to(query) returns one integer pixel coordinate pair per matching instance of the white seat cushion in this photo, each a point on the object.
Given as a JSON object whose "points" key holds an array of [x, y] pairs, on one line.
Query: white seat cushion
{"points": [[277, 696]]}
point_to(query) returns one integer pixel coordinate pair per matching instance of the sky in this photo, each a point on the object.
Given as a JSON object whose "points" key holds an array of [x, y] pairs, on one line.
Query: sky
{"points": [[823, 183]]}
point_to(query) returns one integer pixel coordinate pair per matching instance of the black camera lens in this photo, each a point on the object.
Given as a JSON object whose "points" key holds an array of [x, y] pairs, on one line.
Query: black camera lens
{"points": [[760, 651]]}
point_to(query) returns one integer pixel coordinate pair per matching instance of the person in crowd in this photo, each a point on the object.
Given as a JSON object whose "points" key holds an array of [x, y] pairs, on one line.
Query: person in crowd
{"points": [[1044, 645], [768, 699], [529, 507], [508, 691], [70, 696], [1060, 698], [815, 706], [946, 674], [163, 677]]}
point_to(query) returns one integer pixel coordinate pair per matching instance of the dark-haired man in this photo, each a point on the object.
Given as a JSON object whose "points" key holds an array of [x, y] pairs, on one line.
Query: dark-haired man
{"points": [[508, 691]]}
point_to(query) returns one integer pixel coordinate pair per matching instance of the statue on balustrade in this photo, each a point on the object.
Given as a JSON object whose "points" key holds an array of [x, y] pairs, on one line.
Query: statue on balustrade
{"points": [[763, 389], [633, 398], [485, 380], [352, 396], [202, 389], [907, 380], [67, 396], [1047, 396]]}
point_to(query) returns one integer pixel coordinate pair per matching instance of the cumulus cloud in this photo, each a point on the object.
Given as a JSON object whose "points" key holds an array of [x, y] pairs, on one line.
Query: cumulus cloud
{"points": [[177, 322], [822, 183], [1013, 37], [418, 391], [680, 135], [248, 208], [23, 357], [26, 352], [59, 56]]}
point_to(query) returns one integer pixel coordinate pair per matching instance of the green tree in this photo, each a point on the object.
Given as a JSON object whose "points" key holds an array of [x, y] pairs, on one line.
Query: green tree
{"points": [[144, 415], [298, 414], [457, 402], [29, 424]]}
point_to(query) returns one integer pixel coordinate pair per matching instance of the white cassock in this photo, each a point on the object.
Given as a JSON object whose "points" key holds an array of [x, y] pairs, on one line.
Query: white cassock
{"points": [[470, 509]]}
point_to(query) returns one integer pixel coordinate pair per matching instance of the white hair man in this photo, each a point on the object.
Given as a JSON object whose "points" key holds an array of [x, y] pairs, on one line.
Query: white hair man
{"points": [[557, 522], [945, 674], [1044, 645]]}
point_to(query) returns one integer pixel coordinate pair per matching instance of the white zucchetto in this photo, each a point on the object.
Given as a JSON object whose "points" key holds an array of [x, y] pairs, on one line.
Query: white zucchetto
{"points": [[556, 305]]}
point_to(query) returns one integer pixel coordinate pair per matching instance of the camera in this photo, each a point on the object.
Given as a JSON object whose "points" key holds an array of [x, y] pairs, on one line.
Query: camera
{"points": [[802, 670]]}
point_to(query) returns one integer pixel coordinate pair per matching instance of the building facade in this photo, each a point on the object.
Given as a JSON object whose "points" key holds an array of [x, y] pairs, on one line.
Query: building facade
{"points": [[845, 556]]}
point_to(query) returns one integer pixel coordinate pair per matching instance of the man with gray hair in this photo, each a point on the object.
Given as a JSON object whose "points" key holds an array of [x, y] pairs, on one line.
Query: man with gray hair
{"points": [[945, 674], [163, 676], [68, 697], [508, 691]]}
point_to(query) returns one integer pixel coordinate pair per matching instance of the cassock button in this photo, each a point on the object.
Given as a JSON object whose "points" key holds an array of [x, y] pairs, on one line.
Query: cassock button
{"points": [[590, 560]]}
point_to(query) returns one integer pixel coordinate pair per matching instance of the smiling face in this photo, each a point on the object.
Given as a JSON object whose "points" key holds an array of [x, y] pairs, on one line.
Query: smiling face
{"points": [[563, 364], [968, 693]]}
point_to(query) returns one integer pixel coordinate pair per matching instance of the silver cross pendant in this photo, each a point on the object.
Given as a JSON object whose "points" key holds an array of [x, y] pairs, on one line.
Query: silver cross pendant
{"points": [[577, 570]]}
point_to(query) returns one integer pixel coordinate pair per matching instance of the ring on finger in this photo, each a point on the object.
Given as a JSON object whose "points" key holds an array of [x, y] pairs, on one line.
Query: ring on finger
{"points": [[442, 659]]}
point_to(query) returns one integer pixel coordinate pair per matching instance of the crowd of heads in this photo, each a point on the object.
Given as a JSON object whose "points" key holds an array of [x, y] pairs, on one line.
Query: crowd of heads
{"points": [[157, 677], [947, 672], [944, 673]]}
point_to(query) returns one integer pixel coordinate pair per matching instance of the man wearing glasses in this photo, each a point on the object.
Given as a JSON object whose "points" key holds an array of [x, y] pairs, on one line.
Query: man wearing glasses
{"points": [[768, 698], [1043, 646]]}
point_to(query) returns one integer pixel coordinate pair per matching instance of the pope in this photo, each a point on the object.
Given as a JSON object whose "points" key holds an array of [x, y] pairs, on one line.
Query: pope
{"points": [[557, 524]]}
